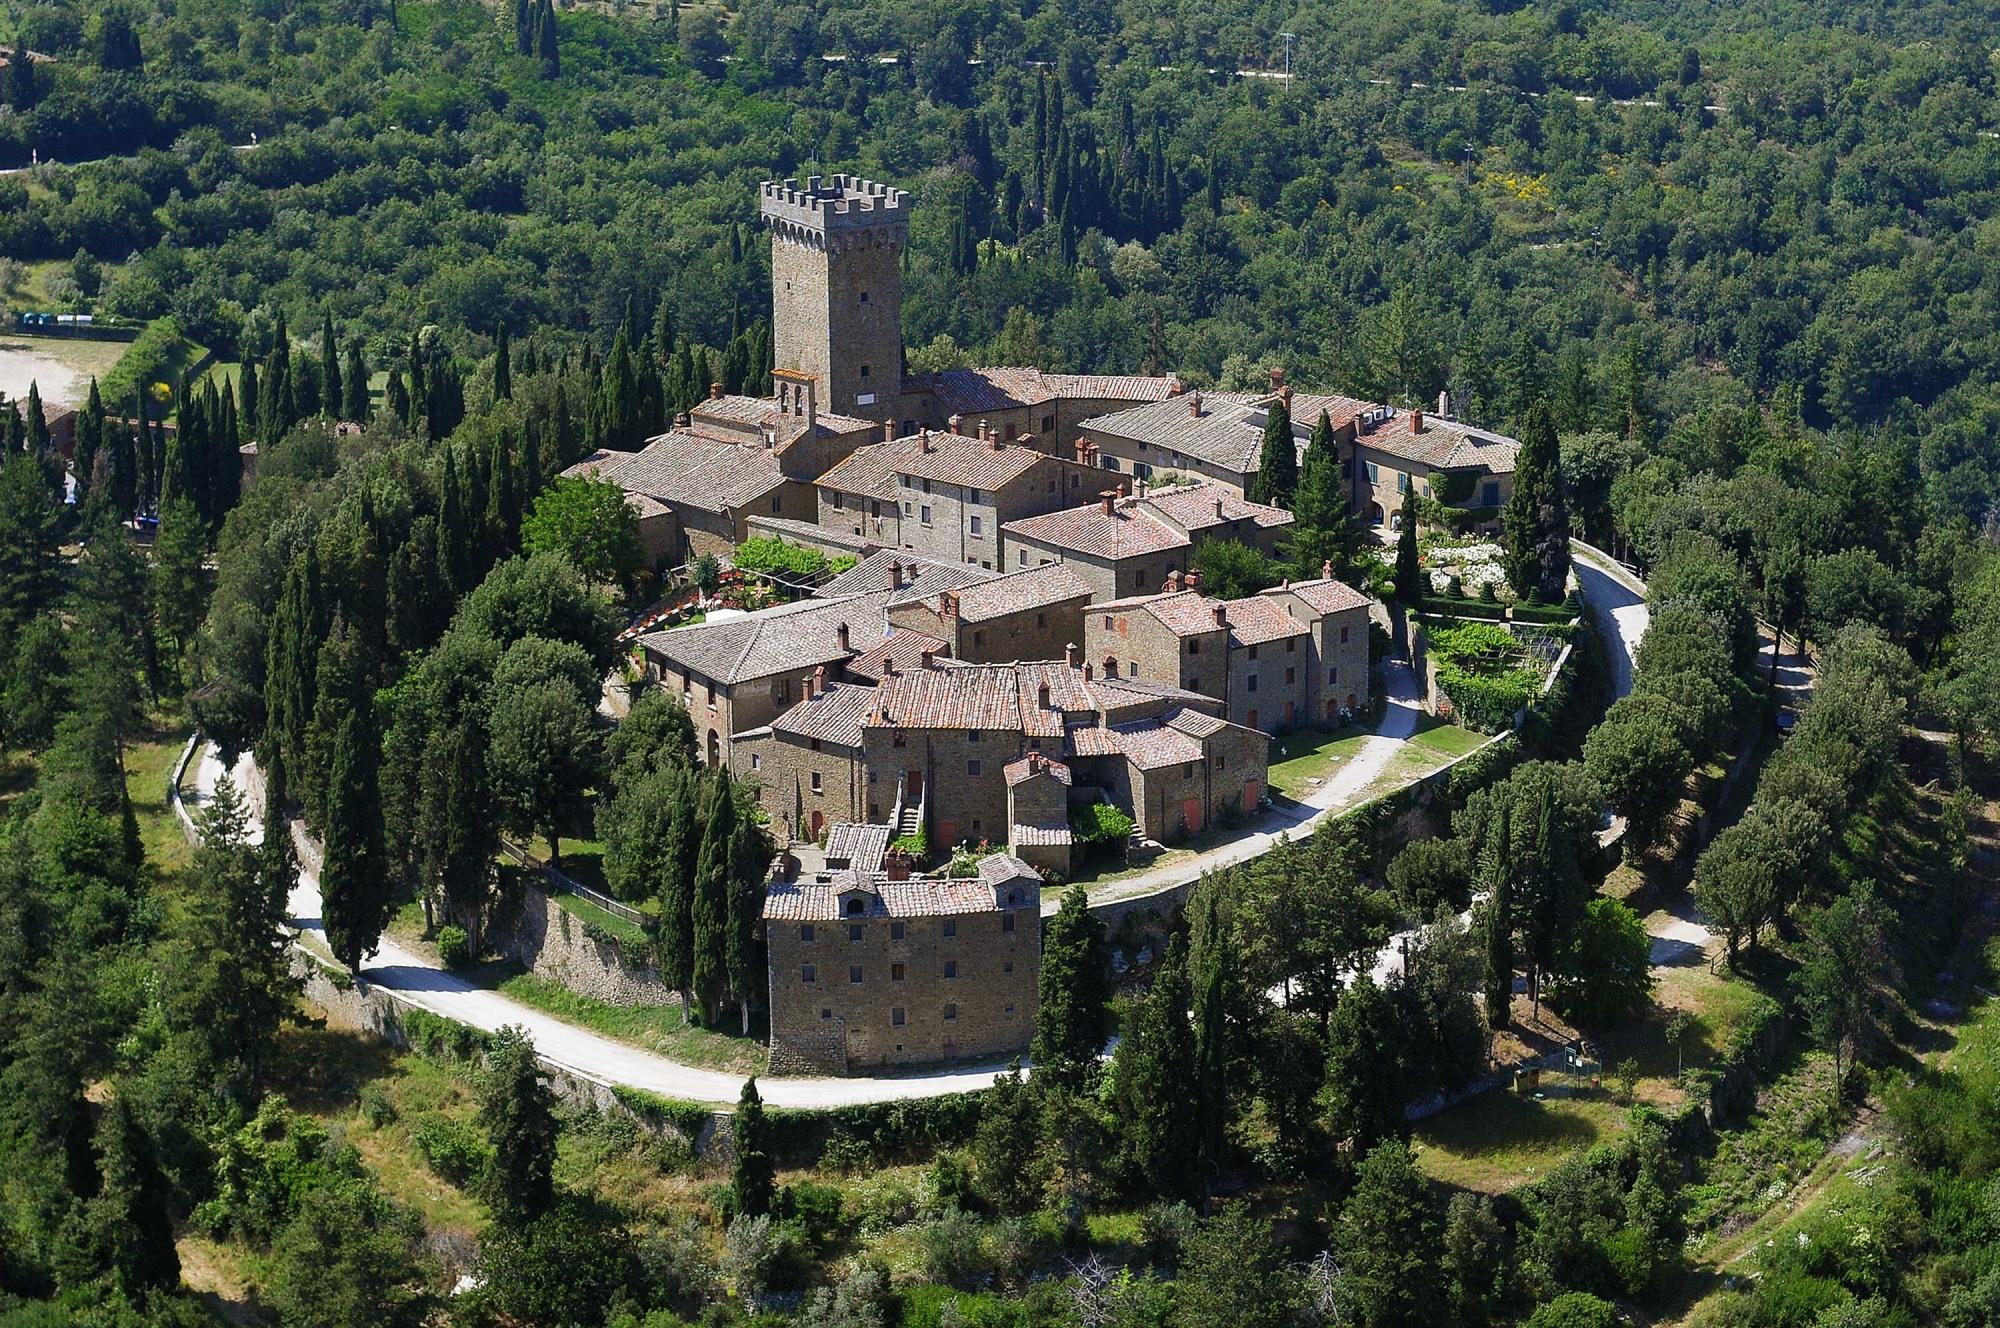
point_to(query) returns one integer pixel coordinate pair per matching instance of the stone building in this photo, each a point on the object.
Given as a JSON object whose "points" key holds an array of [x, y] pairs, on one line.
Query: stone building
{"points": [[806, 763], [1454, 463], [1216, 436], [1122, 546], [867, 972], [947, 494], [1294, 654], [1038, 798], [1029, 614]]}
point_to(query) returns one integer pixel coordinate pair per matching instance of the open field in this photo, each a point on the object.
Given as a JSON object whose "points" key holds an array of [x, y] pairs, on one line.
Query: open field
{"points": [[59, 367]]}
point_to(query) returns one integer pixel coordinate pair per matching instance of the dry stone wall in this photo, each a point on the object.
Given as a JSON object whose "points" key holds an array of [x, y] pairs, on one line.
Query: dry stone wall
{"points": [[535, 931]]}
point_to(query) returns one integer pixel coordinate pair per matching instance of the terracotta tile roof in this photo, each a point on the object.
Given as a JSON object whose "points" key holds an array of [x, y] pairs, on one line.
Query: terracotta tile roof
{"points": [[999, 697], [1195, 724], [1032, 835], [1443, 445], [1035, 763], [997, 869], [1150, 744], [833, 716], [1185, 612], [969, 391], [1016, 592], [1324, 595], [1256, 620], [903, 648], [761, 412], [1089, 740], [921, 576], [869, 470], [806, 532], [1163, 520], [788, 638], [690, 469], [1229, 431], [918, 897], [857, 846], [963, 459]]}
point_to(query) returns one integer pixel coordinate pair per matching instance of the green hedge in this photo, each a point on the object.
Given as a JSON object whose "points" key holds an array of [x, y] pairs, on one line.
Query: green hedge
{"points": [[885, 1130], [1485, 703], [159, 355], [1462, 606], [1100, 823], [687, 1119], [443, 1040], [1546, 613]]}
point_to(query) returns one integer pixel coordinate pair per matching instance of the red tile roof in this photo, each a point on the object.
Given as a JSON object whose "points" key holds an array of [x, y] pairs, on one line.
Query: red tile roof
{"points": [[1324, 595], [833, 716], [1017, 592], [1165, 519], [903, 648]]}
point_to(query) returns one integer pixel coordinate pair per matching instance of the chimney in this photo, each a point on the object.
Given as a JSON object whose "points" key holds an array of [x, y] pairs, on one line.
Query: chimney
{"points": [[1326, 568], [1121, 488], [1444, 403], [1082, 452], [1070, 654], [681, 420], [1218, 507], [958, 424], [1087, 674], [1221, 615], [888, 671], [947, 604], [1139, 489], [928, 657], [984, 432], [994, 438], [819, 672], [924, 440], [1416, 421], [1174, 581], [840, 635], [1193, 581], [1042, 696], [1194, 404], [715, 391], [1277, 377], [895, 575], [888, 431], [1285, 395], [1107, 499], [1175, 387]]}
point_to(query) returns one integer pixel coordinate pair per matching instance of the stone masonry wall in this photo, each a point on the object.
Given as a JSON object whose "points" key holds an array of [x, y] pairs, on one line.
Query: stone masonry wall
{"points": [[534, 930]]}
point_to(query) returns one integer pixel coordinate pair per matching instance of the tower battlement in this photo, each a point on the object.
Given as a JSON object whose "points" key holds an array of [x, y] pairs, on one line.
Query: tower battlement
{"points": [[829, 204]]}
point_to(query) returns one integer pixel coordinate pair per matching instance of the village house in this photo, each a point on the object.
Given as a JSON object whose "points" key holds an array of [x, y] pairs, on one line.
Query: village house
{"points": [[947, 494], [1030, 614], [1294, 654], [1456, 464], [1217, 436], [1122, 546], [871, 972]]}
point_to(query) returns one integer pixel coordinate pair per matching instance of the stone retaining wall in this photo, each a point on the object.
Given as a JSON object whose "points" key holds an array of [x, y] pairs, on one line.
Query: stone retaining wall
{"points": [[534, 930]]}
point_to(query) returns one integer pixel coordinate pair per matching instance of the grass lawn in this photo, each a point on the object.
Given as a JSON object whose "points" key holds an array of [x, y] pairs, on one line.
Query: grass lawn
{"points": [[582, 860], [1500, 1140], [660, 1028], [585, 911], [1308, 754], [149, 762], [1452, 740]]}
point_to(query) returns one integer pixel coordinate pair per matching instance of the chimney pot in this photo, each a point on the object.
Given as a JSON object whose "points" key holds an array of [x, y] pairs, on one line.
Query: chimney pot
{"points": [[1087, 674], [1106, 499], [1193, 581], [1218, 507], [1070, 653], [927, 656], [1139, 489], [715, 391], [1277, 377], [1416, 421], [984, 431], [1174, 581], [681, 420], [840, 635], [888, 431], [819, 673], [1221, 616], [958, 424], [1175, 387], [925, 445], [895, 575], [1326, 568], [1194, 404]]}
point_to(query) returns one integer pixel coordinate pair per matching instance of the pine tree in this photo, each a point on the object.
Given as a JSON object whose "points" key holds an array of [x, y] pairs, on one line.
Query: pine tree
{"points": [[518, 1111], [1074, 990], [1536, 519], [331, 398], [1277, 476], [354, 880], [752, 1175], [1409, 567], [503, 365], [354, 385], [1151, 1075], [710, 909]]}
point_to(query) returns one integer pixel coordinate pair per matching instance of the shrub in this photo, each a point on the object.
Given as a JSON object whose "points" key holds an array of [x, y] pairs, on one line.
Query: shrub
{"points": [[817, 1213], [772, 555], [1576, 1309], [376, 1108], [450, 1148], [454, 948], [952, 1250], [1101, 823]]}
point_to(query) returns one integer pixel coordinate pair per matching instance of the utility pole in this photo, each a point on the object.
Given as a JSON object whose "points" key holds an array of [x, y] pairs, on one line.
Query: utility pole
{"points": [[1289, 37]]}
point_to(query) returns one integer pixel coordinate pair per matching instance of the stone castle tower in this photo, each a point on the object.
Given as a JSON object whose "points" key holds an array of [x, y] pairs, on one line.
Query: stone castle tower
{"points": [[837, 290]]}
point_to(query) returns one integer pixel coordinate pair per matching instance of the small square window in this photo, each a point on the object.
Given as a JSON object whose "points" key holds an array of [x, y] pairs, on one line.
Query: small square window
{"points": [[1194, 647], [1007, 967], [756, 761], [825, 1013], [1250, 684], [806, 973], [972, 769], [854, 975], [896, 931], [854, 933], [816, 782], [1006, 922], [1290, 642], [972, 735], [950, 1013], [1187, 770], [896, 1019], [976, 527], [806, 933], [1343, 636], [864, 373], [864, 297], [1332, 677], [925, 515], [951, 968], [951, 926], [1041, 619], [895, 972], [1253, 652]]}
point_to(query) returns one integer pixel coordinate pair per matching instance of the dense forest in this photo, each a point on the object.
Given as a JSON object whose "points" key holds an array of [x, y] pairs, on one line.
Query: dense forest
{"points": [[1726, 273]]}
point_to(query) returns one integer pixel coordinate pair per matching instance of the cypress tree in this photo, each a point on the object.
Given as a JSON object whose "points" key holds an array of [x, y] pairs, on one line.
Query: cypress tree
{"points": [[750, 860], [1536, 519], [1409, 568], [545, 41], [1151, 1075], [37, 422], [1277, 475], [753, 1178], [354, 879], [274, 403], [710, 911], [524, 28], [331, 398], [354, 385], [123, 470], [1073, 992], [132, 1212], [396, 396], [1497, 871], [503, 368], [681, 846], [518, 1111], [247, 393], [1214, 963], [89, 438], [503, 511], [228, 481], [419, 389]]}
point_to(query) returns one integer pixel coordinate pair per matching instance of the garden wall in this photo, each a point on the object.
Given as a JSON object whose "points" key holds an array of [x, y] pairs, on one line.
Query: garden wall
{"points": [[534, 930]]}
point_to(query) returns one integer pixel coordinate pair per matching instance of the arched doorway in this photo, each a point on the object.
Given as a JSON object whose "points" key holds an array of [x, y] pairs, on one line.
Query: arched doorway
{"points": [[1350, 702], [818, 824], [1374, 514]]}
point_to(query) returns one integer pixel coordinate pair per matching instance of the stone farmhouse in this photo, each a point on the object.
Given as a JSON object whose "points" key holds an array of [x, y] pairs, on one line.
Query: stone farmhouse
{"points": [[868, 971], [938, 749], [1123, 546], [947, 494], [1294, 654]]}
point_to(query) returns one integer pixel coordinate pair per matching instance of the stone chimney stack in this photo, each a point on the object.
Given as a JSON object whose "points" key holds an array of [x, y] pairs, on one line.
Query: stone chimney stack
{"points": [[895, 574], [840, 636], [1193, 581], [1139, 489], [819, 673], [1326, 568], [1087, 673], [1107, 498], [1416, 421], [958, 424], [947, 604], [1174, 581], [1175, 386], [1218, 507], [1444, 403], [1277, 378], [985, 431], [715, 391], [1285, 395], [681, 420], [1221, 616], [928, 657], [1070, 654], [1194, 404], [924, 443], [888, 431]]}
